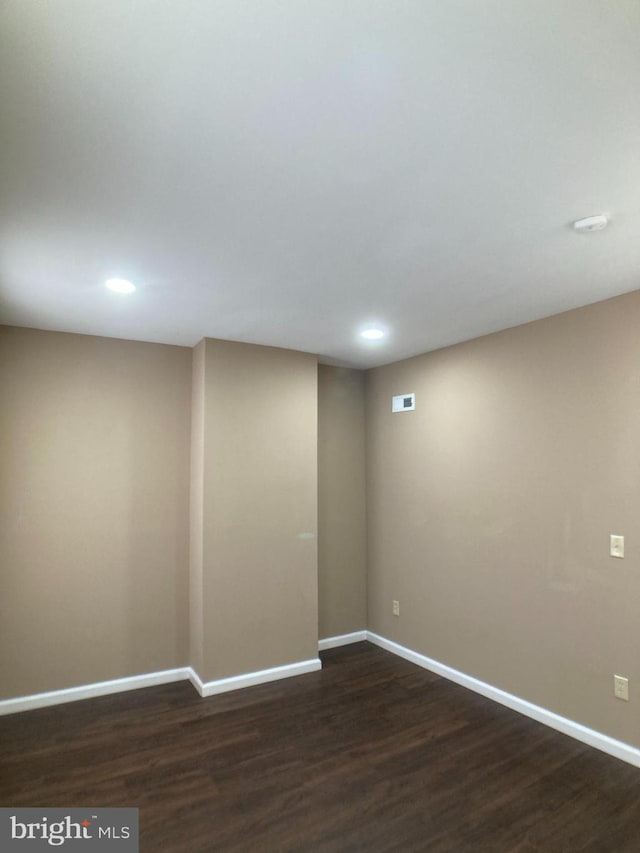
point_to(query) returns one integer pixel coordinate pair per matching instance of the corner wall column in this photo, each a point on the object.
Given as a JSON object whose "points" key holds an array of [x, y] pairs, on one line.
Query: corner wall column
{"points": [[253, 564]]}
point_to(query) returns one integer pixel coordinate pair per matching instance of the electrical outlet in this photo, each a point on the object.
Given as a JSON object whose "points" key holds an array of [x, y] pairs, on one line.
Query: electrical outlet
{"points": [[621, 687], [396, 608]]}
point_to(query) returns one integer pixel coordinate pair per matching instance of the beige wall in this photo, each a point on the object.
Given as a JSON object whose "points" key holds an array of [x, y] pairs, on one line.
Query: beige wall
{"points": [[489, 508], [96, 509], [94, 437], [491, 505], [342, 555], [259, 509]]}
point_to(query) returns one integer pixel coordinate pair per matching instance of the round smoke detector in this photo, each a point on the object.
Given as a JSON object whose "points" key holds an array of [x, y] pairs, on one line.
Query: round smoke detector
{"points": [[591, 223]]}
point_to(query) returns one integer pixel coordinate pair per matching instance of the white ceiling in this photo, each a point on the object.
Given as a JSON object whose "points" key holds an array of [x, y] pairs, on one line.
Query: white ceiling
{"points": [[285, 171]]}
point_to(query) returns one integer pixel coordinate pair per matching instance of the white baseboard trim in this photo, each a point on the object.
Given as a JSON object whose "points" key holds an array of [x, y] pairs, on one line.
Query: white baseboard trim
{"points": [[249, 679], [600, 741], [611, 746], [152, 679], [342, 640], [90, 691], [195, 680]]}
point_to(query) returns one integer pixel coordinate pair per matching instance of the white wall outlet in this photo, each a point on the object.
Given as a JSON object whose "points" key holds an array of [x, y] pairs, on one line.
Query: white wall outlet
{"points": [[616, 545], [621, 687], [396, 608]]}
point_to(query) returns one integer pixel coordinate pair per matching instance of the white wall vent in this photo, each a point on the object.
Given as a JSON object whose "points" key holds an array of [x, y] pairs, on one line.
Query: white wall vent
{"points": [[403, 403]]}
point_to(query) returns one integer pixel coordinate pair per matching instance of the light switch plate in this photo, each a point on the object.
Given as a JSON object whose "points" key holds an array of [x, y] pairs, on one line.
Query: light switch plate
{"points": [[616, 545]]}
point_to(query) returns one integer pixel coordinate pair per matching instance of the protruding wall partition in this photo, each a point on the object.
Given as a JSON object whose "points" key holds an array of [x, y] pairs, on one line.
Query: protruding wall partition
{"points": [[254, 570]]}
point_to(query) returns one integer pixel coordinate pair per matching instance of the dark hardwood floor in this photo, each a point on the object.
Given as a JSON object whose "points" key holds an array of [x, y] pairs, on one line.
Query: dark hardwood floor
{"points": [[371, 754]]}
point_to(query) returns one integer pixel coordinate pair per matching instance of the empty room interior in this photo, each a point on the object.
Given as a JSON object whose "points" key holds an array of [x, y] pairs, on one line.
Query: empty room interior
{"points": [[319, 421]]}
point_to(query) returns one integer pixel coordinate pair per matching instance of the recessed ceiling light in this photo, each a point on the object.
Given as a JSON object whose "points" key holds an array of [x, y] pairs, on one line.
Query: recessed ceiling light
{"points": [[372, 334], [120, 285]]}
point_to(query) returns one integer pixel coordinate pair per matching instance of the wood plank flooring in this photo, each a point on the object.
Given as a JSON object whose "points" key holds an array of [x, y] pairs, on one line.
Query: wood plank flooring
{"points": [[370, 754]]}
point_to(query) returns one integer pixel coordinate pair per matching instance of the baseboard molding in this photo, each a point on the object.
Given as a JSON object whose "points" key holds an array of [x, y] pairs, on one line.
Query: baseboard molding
{"points": [[342, 640], [611, 746], [152, 679], [90, 691], [249, 679], [600, 741]]}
